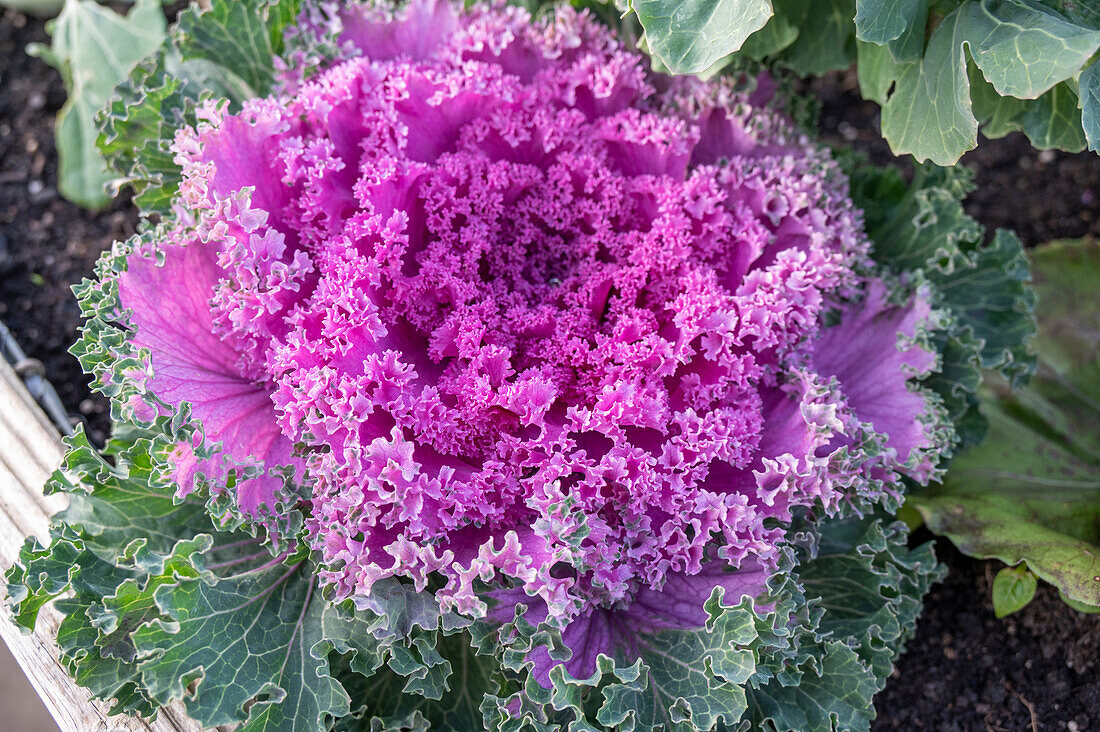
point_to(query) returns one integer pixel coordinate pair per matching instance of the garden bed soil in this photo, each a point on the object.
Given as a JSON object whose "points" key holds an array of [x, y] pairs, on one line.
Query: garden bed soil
{"points": [[965, 670]]}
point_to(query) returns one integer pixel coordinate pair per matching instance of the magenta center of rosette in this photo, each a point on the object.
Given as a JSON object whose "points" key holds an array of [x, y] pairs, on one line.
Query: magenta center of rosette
{"points": [[524, 317]]}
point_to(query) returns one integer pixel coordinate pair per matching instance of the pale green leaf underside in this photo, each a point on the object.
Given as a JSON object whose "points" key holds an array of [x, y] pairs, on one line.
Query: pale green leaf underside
{"points": [[1089, 102], [690, 36], [881, 21], [94, 48], [1023, 49]]}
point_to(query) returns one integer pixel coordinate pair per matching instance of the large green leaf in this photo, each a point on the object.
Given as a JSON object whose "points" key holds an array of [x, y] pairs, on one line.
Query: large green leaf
{"points": [[94, 48], [1022, 48], [690, 36], [1031, 491], [1089, 102], [695, 679], [882, 21], [1051, 121], [826, 39], [240, 647], [382, 700]]}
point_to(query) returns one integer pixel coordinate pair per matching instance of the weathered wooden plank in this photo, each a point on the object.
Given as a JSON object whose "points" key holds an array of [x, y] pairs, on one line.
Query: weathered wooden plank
{"points": [[30, 450]]}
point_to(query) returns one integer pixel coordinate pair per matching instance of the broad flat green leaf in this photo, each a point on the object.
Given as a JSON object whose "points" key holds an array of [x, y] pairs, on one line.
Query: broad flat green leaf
{"points": [[1013, 589], [879, 21], [1012, 529], [928, 115], [877, 71], [1051, 121], [1089, 102], [94, 48], [776, 35], [826, 39], [226, 52], [1022, 48], [1082, 12], [690, 36], [1079, 606], [1031, 491], [899, 25]]}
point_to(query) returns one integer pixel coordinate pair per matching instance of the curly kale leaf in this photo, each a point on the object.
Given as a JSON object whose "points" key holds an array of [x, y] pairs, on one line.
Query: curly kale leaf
{"points": [[983, 286]]}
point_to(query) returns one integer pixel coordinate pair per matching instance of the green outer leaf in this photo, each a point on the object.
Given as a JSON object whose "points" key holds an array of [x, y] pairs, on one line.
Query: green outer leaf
{"points": [[94, 48], [1082, 12], [242, 37], [877, 71], [690, 36], [776, 35], [1089, 102], [922, 228], [881, 21], [1031, 491], [826, 39], [694, 679], [996, 528], [1079, 606], [909, 46], [811, 663], [870, 586], [987, 289], [929, 114], [1051, 121], [838, 696], [1013, 589], [1010, 36], [381, 699]]}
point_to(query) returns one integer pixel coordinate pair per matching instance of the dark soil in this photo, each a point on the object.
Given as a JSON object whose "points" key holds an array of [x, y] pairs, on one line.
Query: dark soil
{"points": [[964, 670]]}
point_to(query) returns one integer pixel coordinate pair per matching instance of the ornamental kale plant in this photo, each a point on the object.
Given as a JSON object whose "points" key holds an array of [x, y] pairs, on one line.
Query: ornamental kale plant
{"points": [[470, 375]]}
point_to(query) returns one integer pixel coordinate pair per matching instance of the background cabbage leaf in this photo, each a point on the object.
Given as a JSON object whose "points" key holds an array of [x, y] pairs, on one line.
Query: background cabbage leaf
{"points": [[1031, 491]]}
